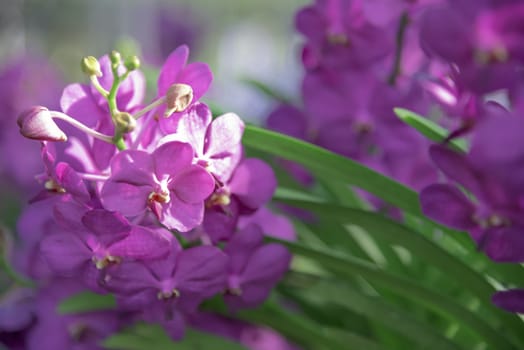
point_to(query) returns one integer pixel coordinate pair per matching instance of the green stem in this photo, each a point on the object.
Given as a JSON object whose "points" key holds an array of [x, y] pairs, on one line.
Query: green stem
{"points": [[113, 107], [404, 20], [98, 87]]}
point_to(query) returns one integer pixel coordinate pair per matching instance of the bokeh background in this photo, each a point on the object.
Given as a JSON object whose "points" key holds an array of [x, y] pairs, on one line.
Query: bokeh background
{"points": [[239, 39]]}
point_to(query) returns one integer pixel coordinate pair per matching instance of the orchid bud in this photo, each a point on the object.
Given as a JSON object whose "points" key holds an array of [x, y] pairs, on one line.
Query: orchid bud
{"points": [[115, 58], [178, 97], [132, 63], [124, 122], [37, 123], [91, 66]]}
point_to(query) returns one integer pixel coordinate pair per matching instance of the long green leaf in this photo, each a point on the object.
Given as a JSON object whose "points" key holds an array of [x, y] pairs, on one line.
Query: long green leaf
{"points": [[387, 230], [332, 167], [326, 291], [85, 302], [345, 267], [305, 332], [392, 232], [429, 129], [328, 165], [153, 337]]}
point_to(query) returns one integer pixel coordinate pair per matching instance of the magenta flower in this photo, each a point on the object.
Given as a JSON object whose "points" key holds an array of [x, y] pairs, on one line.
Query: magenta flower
{"points": [[175, 70], [254, 267], [83, 331], [487, 41], [491, 173], [217, 142], [88, 106], [511, 300], [163, 289], [339, 35], [165, 181], [96, 241], [60, 178], [251, 186]]}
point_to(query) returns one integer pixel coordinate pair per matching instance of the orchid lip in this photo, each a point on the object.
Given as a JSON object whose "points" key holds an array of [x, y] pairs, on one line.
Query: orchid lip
{"points": [[163, 295]]}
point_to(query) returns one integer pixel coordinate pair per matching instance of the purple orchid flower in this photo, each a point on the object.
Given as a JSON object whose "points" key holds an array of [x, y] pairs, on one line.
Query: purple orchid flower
{"points": [[340, 36], [493, 219], [60, 178], [164, 289], [251, 186], [175, 70], [87, 105], [165, 182], [511, 300], [273, 225], [487, 41], [217, 142], [73, 331], [254, 268], [92, 241]]}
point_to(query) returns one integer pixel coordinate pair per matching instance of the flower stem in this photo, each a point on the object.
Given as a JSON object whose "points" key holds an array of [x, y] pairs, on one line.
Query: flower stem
{"points": [[149, 107], [113, 108], [401, 31], [82, 127], [98, 87]]}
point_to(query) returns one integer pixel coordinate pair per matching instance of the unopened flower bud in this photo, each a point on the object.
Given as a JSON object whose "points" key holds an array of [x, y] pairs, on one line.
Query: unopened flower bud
{"points": [[115, 58], [37, 123], [132, 63], [91, 66], [178, 97], [124, 122]]}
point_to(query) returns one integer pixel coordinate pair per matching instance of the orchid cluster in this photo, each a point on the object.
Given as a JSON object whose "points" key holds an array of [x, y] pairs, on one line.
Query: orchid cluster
{"points": [[457, 62], [154, 204]]}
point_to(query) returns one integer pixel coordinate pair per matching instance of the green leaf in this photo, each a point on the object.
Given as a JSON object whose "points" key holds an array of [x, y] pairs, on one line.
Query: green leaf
{"points": [[330, 166], [346, 267], [325, 291], [426, 127], [85, 302], [303, 331], [392, 232], [153, 337]]}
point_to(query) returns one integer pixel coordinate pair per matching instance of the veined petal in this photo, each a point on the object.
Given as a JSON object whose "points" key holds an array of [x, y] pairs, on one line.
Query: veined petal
{"points": [[267, 265], [193, 125], [71, 182], [134, 167], [171, 69], [253, 182], [65, 253], [193, 185], [142, 243], [201, 270], [504, 244], [182, 216], [456, 166], [171, 158], [446, 204], [108, 226], [77, 101], [198, 75], [126, 198], [223, 135]]}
